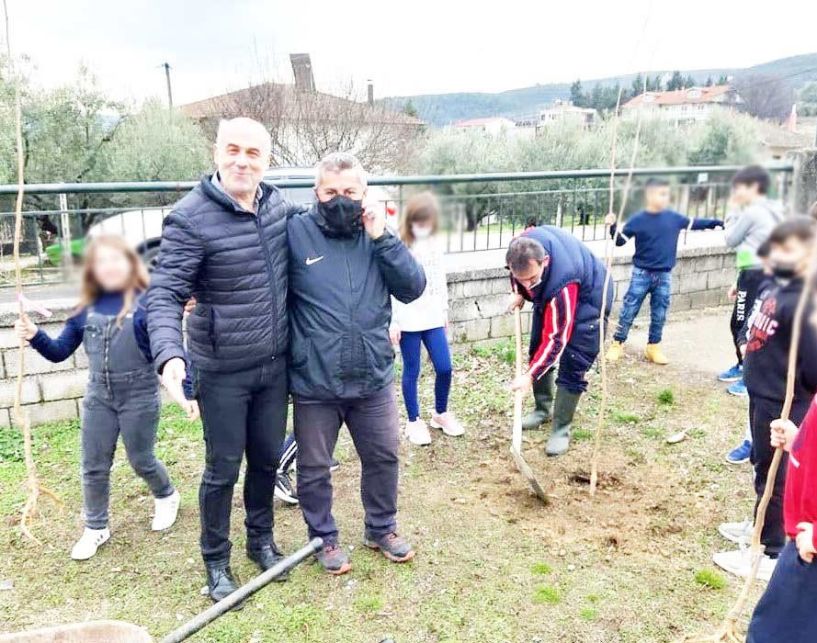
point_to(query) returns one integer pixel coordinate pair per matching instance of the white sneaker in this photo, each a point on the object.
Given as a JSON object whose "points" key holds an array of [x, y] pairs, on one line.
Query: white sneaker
{"points": [[165, 511], [448, 423], [739, 533], [739, 563], [89, 542], [417, 433]]}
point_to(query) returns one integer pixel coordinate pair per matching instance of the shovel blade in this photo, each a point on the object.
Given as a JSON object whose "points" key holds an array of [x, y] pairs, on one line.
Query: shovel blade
{"points": [[526, 471]]}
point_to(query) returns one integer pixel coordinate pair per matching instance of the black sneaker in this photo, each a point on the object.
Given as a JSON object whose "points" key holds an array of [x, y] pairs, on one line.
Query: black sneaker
{"points": [[283, 489], [334, 465], [392, 546], [333, 559], [221, 583], [265, 557]]}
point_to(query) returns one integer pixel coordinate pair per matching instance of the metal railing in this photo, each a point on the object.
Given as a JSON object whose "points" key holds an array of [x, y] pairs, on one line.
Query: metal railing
{"points": [[480, 211]]}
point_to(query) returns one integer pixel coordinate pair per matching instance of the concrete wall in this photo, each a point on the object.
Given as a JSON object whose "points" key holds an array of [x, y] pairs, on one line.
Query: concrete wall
{"points": [[478, 300]]}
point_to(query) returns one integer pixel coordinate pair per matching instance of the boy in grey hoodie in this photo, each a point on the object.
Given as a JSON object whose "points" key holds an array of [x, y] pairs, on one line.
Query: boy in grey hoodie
{"points": [[747, 226]]}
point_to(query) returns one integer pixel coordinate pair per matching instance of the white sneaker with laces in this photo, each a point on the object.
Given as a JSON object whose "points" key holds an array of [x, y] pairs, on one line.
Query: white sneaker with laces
{"points": [[165, 511], [739, 563], [739, 533], [448, 423], [90, 541], [417, 433]]}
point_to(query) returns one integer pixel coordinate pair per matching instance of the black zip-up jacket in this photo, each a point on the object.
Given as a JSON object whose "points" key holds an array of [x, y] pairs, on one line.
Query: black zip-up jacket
{"points": [[340, 309], [767, 344], [234, 263]]}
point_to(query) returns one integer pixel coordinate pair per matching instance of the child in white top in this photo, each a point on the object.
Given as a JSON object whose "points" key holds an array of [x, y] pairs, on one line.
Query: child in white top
{"points": [[424, 321]]}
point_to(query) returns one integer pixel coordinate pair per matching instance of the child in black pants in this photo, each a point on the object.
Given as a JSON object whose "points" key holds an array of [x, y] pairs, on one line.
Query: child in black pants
{"points": [[765, 372]]}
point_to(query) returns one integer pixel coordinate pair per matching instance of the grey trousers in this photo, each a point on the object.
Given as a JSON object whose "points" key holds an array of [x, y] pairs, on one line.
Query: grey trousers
{"points": [[374, 425], [130, 408]]}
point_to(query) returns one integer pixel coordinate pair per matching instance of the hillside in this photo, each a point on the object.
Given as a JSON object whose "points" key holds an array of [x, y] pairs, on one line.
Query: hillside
{"points": [[441, 109]]}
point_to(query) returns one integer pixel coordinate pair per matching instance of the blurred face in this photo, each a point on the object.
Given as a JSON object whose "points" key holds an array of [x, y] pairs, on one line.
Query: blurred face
{"points": [[242, 155], [657, 198], [532, 275], [790, 258], [344, 183], [743, 193], [111, 269], [422, 229]]}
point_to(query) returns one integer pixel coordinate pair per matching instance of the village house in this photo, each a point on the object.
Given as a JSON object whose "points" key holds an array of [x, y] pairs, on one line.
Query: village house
{"points": [[681, 106]]}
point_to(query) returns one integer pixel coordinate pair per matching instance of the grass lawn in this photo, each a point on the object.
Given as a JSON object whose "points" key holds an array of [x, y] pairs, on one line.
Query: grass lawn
{"points": [[630, 564]]}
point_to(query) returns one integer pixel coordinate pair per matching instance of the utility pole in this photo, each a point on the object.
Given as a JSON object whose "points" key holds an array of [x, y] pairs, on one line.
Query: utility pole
{"points": [[169, 91]]}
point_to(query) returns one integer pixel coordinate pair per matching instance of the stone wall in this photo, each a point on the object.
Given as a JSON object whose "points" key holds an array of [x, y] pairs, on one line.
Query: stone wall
{"points": [[478, 299]]}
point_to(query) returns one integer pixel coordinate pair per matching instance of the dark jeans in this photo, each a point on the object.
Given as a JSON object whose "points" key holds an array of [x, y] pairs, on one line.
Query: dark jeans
{"points": [[642, 283], [747, 286], [373, 424], [242, 413], [786, 611], [761, 413], [128, 407]]}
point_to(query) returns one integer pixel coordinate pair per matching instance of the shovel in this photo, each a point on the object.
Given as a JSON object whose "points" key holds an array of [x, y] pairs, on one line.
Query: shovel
{"points": [[120, 632], [516, 436]]}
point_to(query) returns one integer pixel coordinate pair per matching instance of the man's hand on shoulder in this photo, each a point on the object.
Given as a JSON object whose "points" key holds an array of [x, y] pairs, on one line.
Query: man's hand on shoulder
{"points": [[374, 219]]}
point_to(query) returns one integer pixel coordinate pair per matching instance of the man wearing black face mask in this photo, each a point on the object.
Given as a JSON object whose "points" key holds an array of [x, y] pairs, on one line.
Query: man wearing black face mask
{"points": [[565, 282], [343, 268]]}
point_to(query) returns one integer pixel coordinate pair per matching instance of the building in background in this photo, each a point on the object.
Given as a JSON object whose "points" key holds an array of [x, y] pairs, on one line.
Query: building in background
{"points": [[493, 125], [306, 124], [563, 111], [694, 104]]}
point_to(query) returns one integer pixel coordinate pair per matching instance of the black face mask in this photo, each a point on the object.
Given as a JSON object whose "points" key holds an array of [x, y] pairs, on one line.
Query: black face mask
{"points": [[342, 216], [784, 270]]}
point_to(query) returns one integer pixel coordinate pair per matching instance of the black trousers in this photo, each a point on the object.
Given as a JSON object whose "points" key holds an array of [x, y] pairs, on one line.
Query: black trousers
{"points": [[242, 413], [747, 290], [761, 413]]}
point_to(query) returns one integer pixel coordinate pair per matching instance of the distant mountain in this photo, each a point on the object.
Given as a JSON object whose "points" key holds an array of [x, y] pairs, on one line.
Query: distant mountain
{"points": [[442, 109]]}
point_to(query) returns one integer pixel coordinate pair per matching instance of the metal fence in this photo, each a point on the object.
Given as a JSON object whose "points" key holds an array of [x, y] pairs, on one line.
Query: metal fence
{"points": [[480, 211]]}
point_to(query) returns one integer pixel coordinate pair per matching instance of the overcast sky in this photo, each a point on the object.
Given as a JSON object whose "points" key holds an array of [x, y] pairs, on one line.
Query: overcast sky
{"points": [[407, 47]]}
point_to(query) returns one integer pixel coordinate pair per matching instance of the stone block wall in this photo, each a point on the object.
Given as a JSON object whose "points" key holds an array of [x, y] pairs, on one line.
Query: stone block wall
{"points": [[477, 312]]}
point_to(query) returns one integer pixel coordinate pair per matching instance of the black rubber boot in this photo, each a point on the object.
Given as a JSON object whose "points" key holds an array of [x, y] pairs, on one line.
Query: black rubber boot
{"points": [[543, 398], [563, 411]]}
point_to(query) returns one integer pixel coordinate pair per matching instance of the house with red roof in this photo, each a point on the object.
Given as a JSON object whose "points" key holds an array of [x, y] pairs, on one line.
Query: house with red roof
{"points": [[689, 105]]}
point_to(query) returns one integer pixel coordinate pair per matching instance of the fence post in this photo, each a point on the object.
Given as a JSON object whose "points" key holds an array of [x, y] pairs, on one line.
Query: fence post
{"points": [[65, 235], [804, 181]]}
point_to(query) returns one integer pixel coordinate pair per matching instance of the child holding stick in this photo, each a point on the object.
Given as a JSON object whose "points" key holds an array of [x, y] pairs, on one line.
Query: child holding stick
{"points": [[765, 366], [122, 396], [786, 610]]}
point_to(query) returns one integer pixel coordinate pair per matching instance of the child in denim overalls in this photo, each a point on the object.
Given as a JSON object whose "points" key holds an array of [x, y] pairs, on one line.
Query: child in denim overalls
{"points": [[122, 396]]}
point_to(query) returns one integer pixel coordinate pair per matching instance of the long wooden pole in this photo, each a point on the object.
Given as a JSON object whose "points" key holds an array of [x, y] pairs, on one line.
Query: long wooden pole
{"points": [[21, 417]]}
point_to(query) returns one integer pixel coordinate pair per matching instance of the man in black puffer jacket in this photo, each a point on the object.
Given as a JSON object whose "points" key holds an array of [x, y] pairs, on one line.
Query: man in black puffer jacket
{"points": [[225, 244], [342, 362]]}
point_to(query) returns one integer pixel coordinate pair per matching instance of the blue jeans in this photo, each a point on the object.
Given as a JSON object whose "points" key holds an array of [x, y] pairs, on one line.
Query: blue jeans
{"points": [[642, 283], [436, 343]]}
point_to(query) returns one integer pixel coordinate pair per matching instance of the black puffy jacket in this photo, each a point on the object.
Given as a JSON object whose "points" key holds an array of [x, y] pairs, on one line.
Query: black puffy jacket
{"points": [[234, 263], [340, 308]]}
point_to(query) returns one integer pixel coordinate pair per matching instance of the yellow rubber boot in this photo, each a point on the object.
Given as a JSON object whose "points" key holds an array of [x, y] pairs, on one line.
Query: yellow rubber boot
{"points": [[615, 351], [654, 354]]}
